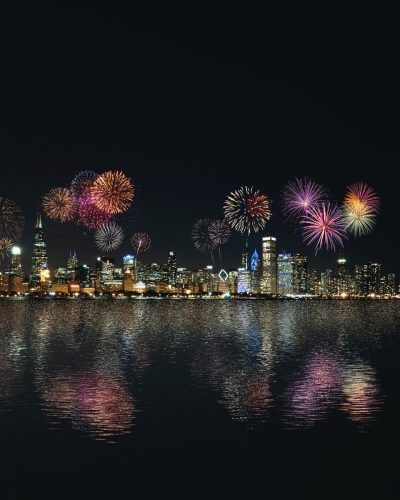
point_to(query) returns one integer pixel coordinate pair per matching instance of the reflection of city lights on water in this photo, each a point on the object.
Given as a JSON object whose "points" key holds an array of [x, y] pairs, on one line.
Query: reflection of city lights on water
{"points": [[312, 397], [98, 403], [361, 392]]}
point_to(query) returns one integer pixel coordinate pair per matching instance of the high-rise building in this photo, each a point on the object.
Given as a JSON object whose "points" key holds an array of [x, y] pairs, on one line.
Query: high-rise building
{"points": [[327, 283], [72, 265], [360, 285], [243, 280], [285, 273], [60, 276], [171, 269], [39, 255], [269, 265], [299, 274], [244, 259], [255, 269], [313, 282], [16, 263], [82, 275], [391, 284], [128, 264], [341, 277], [374, 278]]}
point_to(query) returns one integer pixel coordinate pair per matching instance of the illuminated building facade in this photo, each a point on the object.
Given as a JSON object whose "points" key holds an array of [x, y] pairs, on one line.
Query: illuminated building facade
{"points": [[72, 265], [39, 256], [243, 281], [285, 273], [299, 274], [16, 263], [269, 265], [171, 269]]}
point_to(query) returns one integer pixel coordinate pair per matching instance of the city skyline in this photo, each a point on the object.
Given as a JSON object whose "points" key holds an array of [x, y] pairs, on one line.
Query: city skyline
{"points": [[268, 273]]}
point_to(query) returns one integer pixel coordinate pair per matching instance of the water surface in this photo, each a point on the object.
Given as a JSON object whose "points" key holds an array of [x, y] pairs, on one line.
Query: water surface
{"points": [[291, 398]]}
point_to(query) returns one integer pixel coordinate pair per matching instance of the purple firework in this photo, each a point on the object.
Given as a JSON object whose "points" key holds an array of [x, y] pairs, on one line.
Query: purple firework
{"points": [[301, 195]]}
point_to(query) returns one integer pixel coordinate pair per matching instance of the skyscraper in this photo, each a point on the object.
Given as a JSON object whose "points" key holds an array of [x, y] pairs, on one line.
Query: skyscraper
{"points": [[299, 274], [244, 261], [285, 273], [72, 265], [39, 255], [171, 269], [16, 264], [269, 265]]}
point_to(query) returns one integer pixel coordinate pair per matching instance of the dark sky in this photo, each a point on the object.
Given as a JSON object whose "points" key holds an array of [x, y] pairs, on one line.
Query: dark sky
{"points": [[193, 104]]}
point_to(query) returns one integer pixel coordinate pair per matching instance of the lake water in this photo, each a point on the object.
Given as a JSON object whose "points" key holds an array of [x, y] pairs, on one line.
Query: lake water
{"points": [[280, 398]]}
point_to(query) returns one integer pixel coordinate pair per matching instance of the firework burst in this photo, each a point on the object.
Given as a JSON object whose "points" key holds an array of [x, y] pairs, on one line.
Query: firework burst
{"points": [[360, 206], [89, 215], [301, 194], [219, 232], [109, 236], [11, 220], [82, 183], [59, 204], [201, 236], [247, 209], [112, 192], [5, 245], [324, 226], [141, 242]]}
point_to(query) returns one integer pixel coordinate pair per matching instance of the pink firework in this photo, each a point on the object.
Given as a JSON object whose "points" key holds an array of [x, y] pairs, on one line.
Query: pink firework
{"points": [[324, 226], [300, 195], [89, 215]]}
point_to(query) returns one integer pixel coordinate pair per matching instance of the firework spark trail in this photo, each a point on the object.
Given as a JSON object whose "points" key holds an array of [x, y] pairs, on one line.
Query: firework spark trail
{"points": [[112, 192], [109, 236], [360, 206], [141, 242], [59, 204], [301, 194], [247, 210], [324, 226], [11, 220]]}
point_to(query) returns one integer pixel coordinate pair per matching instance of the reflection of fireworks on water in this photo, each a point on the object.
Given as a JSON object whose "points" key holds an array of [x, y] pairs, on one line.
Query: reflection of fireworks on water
{"points": [[97, 403], [82, 182], [219, 232], [324, 226], [201, 236], [141, 242], [360, 207], [312, 397], [112, 192], [89, 215], [59, 204], [11, 220], [109, 236], [362, 399], [247, 209], [299, 195]]}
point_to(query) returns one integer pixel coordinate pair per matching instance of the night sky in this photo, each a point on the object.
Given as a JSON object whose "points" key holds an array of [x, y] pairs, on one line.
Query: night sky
{"points": [[194, 104]]}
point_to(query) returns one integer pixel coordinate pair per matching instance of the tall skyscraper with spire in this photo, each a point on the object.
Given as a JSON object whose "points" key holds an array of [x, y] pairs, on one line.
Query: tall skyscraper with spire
{"points": [[39, 255]]}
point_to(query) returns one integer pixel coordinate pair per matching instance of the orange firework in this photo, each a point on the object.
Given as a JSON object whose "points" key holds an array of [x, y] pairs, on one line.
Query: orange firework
{"points": [[59, 204], [112, 192]]}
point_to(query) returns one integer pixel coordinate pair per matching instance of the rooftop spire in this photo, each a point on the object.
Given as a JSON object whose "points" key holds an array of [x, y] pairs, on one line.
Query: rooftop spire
{"points": [[39, 224]]}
